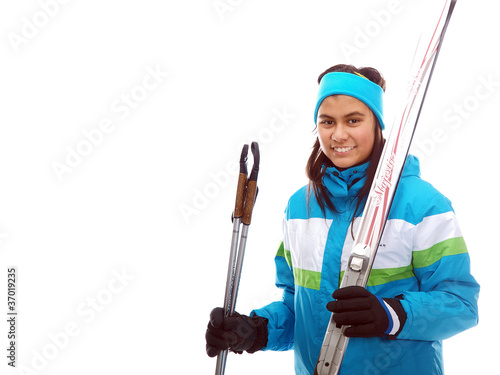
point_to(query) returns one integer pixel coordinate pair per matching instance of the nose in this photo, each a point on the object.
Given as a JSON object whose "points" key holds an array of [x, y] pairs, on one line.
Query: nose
{"points": [[339, 134]]}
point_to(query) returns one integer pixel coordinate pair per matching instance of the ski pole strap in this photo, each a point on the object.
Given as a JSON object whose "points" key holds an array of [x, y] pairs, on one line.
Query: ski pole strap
{"points": [[252, 189]]}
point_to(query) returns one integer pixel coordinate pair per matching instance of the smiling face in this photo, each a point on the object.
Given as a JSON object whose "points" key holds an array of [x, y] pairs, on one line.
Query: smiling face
{"points": [[346, 130]]}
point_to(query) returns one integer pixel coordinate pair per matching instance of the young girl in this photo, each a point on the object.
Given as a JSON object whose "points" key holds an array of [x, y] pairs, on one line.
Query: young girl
{"points": [[420, 290]]}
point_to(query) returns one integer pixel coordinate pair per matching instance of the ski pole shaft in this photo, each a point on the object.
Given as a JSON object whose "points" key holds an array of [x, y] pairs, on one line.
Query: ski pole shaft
{"points": [[221, 358]]}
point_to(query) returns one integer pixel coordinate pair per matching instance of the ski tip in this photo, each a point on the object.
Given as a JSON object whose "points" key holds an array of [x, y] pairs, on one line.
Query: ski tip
{"points": [[452, 5]]}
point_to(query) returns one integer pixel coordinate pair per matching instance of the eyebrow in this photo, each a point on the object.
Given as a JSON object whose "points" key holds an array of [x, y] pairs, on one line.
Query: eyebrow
{"points": [[351, 114], [355, 113]]}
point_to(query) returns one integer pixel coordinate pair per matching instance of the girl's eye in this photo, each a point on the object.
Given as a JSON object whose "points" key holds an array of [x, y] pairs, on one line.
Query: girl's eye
{"points": [[353, 121], [326, 122]]}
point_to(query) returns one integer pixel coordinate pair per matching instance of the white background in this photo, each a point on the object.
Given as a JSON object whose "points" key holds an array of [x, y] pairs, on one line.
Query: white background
{"points": [[152, 199]]}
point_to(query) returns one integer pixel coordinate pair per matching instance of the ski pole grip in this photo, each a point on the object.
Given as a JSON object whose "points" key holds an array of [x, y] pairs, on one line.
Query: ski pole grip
{"points": [[242, 184], [240, 195], [250, 202]]}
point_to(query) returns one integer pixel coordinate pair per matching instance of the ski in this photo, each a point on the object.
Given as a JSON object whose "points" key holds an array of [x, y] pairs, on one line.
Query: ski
{"points": [[383, 188], [246, 194]]}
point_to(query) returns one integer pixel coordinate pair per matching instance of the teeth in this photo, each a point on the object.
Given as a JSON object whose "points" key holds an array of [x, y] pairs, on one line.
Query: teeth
{"points": [[343, 149]]}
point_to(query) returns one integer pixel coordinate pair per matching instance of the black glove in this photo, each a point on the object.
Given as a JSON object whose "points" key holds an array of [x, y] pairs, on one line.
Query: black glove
{"points": [[366, 314], [236, 333]]}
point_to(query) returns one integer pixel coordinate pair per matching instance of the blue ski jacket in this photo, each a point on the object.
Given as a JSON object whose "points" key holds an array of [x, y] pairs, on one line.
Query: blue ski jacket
{"points": [[422, 256]]}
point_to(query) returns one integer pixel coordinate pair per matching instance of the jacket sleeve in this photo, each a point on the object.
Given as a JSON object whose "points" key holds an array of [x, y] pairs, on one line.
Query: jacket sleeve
{"points": [[447, 301], [281, 314]]}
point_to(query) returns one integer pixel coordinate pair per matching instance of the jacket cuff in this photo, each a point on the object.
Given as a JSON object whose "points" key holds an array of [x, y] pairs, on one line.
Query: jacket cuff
{"points": [[398, 316], [261, 336]]}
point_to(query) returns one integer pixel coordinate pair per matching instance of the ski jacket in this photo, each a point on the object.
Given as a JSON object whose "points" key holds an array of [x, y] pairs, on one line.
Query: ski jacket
{"points": [[422, 256]]}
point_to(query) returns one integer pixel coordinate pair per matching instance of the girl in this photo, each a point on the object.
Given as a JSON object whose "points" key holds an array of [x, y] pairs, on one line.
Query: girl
{"points": [[420, 290]]}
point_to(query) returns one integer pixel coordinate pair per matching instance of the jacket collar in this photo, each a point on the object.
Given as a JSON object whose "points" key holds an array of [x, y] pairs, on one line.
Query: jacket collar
{"points": [[347, 183]]}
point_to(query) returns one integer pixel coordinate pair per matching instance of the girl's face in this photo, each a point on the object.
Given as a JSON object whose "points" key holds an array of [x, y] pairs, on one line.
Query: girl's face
{"points": [[346, 130]]}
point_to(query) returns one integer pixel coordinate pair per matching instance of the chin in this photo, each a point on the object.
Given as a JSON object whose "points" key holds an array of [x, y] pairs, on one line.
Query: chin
{"points": [[343, 164]]}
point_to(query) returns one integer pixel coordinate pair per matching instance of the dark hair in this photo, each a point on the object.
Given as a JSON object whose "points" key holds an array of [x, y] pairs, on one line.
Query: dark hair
{"points": [[317, 162], [370, 73]]}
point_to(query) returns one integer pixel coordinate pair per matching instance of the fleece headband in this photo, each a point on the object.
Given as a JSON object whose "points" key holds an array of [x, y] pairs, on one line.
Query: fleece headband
{"points": [[340, 83]]}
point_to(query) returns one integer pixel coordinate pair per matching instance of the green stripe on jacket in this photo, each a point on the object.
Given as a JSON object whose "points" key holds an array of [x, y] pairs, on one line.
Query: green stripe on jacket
{"points": [[422, 258], [452, 246], [304, 278]]}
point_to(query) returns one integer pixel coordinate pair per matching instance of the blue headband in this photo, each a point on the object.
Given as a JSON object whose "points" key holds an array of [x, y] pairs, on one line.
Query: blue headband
{"points": [[339, 83]]}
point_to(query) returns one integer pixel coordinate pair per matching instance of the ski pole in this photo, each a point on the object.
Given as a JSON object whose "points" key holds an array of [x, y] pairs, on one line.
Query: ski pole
{"points": [[246, 194], [237, 215], [382, 193]]}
